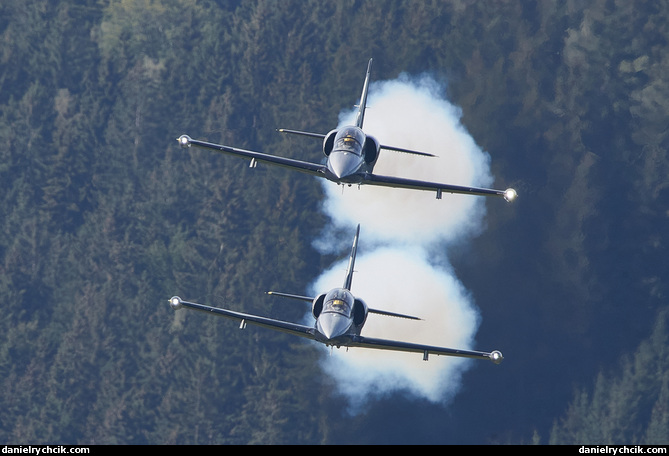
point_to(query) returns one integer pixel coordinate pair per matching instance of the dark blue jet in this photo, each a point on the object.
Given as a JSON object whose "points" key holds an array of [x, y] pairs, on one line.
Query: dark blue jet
{"points": [[351, 156], [340, 317]]}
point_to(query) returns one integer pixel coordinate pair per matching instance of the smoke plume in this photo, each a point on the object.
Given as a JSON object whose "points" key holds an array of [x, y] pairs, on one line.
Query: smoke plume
{"points": [[402, 262]]}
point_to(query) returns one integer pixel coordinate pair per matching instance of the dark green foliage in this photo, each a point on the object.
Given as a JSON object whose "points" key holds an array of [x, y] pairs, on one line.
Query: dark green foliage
{"points": [[103, 217], [626, 408]]}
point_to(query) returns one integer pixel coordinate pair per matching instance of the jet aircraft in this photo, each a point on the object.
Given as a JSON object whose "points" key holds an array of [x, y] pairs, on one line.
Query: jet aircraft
{"points": [[340, 317], [351, 156]]}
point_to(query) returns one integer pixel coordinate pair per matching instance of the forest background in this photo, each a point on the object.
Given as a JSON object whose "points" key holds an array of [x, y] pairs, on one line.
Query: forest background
{"points": [[103, 217]]}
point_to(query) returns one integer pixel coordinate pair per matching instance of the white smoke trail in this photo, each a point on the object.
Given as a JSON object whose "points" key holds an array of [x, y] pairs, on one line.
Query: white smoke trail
{"points": [[402, 258]]}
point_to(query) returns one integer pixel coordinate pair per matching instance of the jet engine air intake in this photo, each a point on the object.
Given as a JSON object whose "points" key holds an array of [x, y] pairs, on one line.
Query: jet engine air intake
{"points": [[328, 142], [359, 312], [317, 305], [371, 150]]}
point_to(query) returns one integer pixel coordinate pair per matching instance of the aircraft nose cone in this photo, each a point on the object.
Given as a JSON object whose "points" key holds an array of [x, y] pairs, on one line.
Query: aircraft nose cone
{"points": [[343, 163], [332, 324]]}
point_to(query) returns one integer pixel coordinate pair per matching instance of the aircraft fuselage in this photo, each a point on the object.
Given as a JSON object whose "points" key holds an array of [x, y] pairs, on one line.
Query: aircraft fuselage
{"points": [[335, 321], [347, 161]]}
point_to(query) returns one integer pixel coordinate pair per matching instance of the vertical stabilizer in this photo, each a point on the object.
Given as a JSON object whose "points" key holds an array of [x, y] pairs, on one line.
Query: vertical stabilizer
{"points": [[359, 119], [351, 261]]}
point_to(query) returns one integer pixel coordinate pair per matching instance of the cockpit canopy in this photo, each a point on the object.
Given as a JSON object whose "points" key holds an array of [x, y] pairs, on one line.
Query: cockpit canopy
{"points": [[340, 301], [349, 139]]}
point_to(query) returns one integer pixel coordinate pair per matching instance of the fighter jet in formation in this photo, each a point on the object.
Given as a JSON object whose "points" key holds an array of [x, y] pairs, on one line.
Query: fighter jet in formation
{"points": [[339, 320], [351, 156]]}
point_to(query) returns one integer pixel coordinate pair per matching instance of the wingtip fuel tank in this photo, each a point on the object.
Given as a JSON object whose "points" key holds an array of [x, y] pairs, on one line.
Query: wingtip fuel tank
{"points": [[496, 357], [184, 141], [510, 195], [175, 302]]}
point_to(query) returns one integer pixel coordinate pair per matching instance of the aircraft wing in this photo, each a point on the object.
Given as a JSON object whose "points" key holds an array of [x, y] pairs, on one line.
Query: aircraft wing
{"points": [[384, 344], [283, 326], [399, 182], [306, 167]]}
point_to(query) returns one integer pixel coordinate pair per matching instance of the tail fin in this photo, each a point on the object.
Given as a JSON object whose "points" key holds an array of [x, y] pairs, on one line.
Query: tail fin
{"points": [[351, 261], [359, 119]]}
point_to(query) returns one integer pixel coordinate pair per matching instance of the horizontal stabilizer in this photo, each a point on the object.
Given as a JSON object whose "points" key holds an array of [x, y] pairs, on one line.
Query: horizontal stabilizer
{"points": [[322, 136], [291, 296], [406, 151], [303, 133], [393, 314]]}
